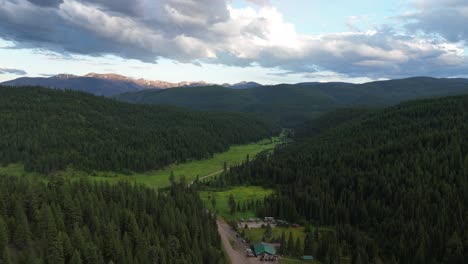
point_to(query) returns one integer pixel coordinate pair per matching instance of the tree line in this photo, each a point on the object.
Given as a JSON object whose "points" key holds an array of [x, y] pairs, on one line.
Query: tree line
{"points": [[49, 130], [84, 222], [393, 182]]}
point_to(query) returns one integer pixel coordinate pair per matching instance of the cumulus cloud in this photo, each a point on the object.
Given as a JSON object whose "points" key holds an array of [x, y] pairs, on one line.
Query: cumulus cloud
{"points": [[260, 2], [264, 38], [447, 18], [212, 31], [12, 71]]}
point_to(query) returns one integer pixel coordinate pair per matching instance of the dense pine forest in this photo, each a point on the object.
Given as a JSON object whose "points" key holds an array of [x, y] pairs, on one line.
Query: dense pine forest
{"points": [[83, 222], [292, 104], [48, 130], [394, 182]]}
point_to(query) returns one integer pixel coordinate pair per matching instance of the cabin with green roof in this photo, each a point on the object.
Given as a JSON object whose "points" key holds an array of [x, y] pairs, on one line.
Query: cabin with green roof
{"points": [[261, 249]]}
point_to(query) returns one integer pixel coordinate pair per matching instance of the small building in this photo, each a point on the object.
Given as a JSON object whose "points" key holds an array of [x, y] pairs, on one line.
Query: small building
{"points": [[282, 223], [307, 258], [263, 249]]}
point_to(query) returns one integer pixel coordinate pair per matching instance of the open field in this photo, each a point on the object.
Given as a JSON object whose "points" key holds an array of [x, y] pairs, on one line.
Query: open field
{"points": [[241, 194], [192, 169], [160, 178], [255, 234], [17, 170], [296, 261]]}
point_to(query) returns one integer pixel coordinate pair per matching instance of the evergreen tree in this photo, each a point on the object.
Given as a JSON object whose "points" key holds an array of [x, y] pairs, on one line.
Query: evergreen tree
{"points": [[283, 246], [290, 248], [54, 245], [5, 257], [268, 232], [357, 259], [172, 177], [76, 258], [298, 248], [22, 233], [213, 201], [232, 204], [3, 233], [316, 234], [308, 242], [454, 251]]}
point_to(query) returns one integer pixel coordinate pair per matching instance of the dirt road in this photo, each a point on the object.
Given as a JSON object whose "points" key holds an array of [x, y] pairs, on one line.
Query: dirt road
{"points": [[211, 174], [237, 256]]}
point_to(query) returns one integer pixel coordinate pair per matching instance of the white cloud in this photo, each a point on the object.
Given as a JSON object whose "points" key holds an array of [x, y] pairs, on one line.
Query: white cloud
{"points": [[260, 2], [212, 31], [446, 18]]}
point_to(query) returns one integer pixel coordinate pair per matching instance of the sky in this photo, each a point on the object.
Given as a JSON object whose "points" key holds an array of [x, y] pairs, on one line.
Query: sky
{"points": [[219, 41]]}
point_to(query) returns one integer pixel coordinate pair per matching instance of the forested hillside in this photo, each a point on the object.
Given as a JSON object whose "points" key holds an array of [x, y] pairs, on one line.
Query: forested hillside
{"points": [[394, 182], [290, 105], [83, 222], [48, 130]]}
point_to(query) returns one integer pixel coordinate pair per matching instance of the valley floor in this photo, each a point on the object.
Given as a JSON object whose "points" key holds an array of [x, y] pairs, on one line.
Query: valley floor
{"points": [[159, 179]]}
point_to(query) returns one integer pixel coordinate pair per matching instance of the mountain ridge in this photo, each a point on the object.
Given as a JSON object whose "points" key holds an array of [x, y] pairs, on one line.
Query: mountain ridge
{"points": [[292, 103], [111, 84]]}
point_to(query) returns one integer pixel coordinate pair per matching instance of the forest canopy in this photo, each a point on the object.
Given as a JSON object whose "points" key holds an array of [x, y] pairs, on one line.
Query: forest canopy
{"points": [[49, 130], [84, 222], [394, 182]]}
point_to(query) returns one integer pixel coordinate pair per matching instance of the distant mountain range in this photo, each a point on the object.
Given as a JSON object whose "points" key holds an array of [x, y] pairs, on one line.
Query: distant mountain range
{"points": [[110, 84], [290, 104]]}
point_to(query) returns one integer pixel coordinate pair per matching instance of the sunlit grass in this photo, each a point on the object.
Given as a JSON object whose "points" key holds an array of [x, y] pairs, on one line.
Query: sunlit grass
{"points": [[241, 195], [160, 178]]}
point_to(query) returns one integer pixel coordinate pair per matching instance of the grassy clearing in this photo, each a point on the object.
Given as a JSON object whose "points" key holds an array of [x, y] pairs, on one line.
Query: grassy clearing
{"points": [[241, 194], [191, 170], [296, 261], [160, 178], [17, 170], [255, 235]]}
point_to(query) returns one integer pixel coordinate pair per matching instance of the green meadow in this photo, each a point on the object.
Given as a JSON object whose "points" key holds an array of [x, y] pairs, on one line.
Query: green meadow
{"points": [[17, 170], [190, 170], [160, 178], [241, 194], [255, 235]]}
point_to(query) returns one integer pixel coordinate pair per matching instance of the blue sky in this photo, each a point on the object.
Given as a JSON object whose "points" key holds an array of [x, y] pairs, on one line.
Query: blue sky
{"points": [[230, 41]]}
